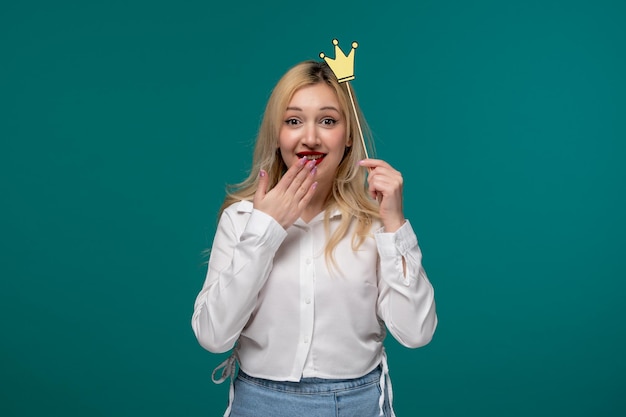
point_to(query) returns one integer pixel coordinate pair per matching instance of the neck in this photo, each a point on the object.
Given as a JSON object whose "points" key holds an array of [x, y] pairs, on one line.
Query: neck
{"points": [[317, 203]]}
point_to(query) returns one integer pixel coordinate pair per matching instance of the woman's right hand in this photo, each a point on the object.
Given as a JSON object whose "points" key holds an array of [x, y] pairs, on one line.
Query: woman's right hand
{"points": [[286, 201]]}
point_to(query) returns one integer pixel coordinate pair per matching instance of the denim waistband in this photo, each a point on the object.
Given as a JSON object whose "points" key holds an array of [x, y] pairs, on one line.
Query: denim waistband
{"points": [[315, 385], [381, 373]]}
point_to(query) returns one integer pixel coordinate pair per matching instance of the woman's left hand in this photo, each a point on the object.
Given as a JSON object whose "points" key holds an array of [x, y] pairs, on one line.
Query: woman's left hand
{"points": [[385, 184]]}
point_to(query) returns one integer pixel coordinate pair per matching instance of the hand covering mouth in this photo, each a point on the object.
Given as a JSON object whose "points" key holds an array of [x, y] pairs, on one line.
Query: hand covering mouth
{"points": [[312, 156]]}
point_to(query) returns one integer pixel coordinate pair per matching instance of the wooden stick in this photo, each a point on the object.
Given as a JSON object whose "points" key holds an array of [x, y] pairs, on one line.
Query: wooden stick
{"points": [[379, 196], [356, 117]]}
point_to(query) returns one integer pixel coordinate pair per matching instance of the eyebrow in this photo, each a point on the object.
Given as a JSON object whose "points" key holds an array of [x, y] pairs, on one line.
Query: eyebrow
{"points": [[322, 108]]}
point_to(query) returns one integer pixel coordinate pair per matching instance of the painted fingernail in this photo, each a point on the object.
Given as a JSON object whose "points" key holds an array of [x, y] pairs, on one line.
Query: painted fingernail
{"points": [[311, 164], [302, 160], [314, 170], [314, 186]]}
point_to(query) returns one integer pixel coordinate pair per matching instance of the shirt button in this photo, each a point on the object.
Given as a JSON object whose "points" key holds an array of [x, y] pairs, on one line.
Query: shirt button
{"points": [[306, 340], [308, 301], [308, 261]]}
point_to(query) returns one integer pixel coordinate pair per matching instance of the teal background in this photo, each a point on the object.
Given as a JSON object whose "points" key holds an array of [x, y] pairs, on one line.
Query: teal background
{"points": [[122, 121]]}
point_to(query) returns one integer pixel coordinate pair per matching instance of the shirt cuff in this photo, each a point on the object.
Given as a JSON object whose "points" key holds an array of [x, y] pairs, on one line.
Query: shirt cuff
{"points": [[397, 243]]}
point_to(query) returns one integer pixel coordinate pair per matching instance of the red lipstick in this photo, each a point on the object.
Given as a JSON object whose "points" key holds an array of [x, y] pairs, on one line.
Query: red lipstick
{"points": [[316, 156]]}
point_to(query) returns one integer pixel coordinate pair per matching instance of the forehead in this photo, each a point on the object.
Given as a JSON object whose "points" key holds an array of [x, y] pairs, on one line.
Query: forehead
{"points": [[314, 96]]}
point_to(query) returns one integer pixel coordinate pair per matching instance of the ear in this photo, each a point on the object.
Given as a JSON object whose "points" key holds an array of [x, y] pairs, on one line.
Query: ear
{"points": [[349, 141]]}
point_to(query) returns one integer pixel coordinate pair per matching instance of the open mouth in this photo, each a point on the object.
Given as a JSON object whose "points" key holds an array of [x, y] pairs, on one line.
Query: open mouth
{"points": [[312, 156]]}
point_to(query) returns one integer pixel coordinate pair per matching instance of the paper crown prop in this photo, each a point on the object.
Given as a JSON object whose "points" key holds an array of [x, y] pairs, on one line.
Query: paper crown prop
{"points": [[343, 68], [342, 65]]}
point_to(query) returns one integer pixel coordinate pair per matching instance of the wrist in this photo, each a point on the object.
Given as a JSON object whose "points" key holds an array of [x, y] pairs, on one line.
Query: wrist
{"points": [[391, 226]]}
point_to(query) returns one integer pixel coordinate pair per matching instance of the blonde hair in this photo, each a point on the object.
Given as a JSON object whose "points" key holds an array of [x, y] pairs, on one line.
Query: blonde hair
{"points": [[348, 193]]}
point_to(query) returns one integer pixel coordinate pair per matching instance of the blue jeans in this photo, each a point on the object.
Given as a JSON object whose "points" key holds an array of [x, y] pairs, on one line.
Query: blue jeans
{"points": [[311, 397]]}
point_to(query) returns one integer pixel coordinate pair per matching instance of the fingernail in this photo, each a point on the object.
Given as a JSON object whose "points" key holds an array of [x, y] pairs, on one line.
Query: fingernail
{"points": [[314, 186], [314, 170], [360, 162], [311, 164], [302, 160]]}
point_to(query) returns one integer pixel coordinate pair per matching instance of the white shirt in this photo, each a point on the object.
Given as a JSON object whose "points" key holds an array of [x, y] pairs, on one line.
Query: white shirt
{"points": [[272, 290]]}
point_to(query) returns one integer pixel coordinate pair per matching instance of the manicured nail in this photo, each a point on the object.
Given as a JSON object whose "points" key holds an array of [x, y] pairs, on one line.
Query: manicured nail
{"points": [[314, 170], [360, 162], [302, 160], [314, 186], [311, 164]]}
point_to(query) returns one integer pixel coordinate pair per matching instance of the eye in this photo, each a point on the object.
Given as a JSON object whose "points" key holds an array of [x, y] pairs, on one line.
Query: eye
{"points": [[292, 121], [329, 121]]}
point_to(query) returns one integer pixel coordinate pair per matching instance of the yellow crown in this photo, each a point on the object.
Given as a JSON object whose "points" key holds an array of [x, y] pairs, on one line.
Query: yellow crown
{"points": [[342, 65]]}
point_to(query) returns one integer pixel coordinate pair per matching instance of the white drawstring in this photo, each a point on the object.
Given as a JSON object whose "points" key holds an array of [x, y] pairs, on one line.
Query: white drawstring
{"points": [[228, 371], [384, 381]]}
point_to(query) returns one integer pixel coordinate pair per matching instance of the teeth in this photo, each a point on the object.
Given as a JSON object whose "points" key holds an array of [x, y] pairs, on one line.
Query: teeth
{"points": [[313, 157]]}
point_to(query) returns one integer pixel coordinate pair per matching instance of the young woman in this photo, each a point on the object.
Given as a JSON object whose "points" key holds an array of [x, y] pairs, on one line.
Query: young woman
{"points": [[311, 261]]}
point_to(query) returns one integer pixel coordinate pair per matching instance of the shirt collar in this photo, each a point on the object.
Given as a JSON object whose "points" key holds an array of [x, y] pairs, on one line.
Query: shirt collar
{"points": [[246, 206]]}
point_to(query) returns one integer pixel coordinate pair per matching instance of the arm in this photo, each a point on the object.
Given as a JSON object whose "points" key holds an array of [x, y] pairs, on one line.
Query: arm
{"points": [[241, 260], [242, 255], [405, 296], [406, 299]]}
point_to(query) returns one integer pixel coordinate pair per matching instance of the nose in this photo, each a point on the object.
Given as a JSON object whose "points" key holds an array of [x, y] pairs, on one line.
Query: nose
{"points": [[310, 137]]}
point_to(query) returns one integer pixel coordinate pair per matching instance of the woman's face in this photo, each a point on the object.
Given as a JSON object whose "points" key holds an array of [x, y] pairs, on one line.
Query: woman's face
{"points": [[313, 126]]}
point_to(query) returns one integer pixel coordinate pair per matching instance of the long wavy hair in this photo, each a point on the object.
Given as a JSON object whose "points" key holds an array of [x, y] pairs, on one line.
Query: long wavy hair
{"points": [[348, 193]]}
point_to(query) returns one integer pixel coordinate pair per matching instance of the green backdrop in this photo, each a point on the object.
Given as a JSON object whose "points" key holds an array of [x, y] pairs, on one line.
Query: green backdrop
{"points": [[122, 121]]}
